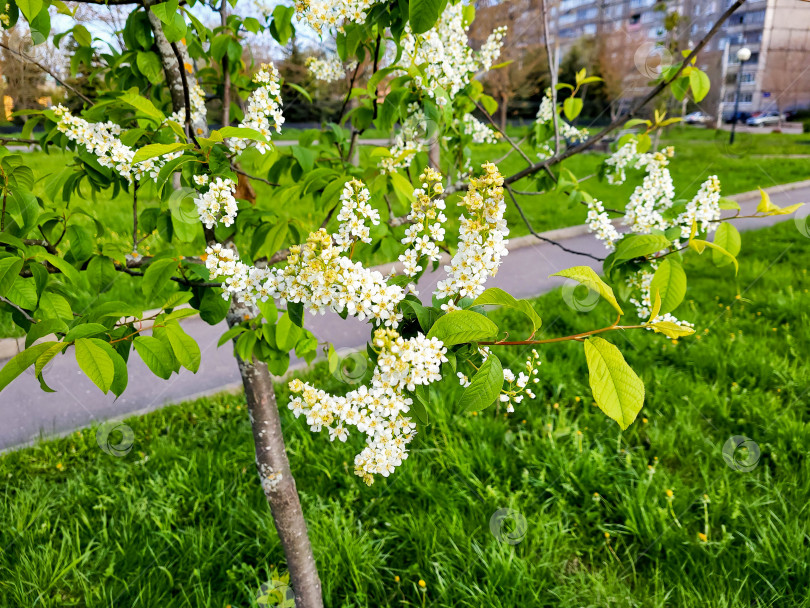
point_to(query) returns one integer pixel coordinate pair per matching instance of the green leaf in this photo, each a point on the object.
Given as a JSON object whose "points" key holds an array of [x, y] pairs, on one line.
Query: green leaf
{"points": [[158, 275], [618, 391], [149, 65], [241, 133], [639, 246], [9, 271], [287, 333], [42, 329], [588, 277], [29, 8], [305, 157], [21, 362], [121, 377], [727, 237], [498, 297], [572, 107], [101, 273], [156, 356], [85, 330], [53, 306], [82, 36], [184, 347], [700, 84], [143, 105], [153, 150], [69, 272], [767, 207], [671, 330], [423, 14], [484, 388], [700, 245], [462, 326], [727, 203], [669, 281], [95, 362]]}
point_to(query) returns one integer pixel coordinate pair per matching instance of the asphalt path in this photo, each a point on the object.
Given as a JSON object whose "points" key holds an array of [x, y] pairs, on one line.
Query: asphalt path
{"points": [[27, 413]]}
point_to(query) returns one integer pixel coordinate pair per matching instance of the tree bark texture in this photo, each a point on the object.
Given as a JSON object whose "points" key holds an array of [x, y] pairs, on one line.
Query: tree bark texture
{"points": [[271, 456]]}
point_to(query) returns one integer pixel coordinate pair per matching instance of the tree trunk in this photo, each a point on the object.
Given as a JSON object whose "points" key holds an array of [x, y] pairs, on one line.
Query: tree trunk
{"points": [[226, 72], [504, 104], [271, 456]]}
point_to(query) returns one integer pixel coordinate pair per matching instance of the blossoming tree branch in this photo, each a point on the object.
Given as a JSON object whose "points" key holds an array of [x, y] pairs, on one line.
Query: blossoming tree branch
{"points": [[202, 243]]}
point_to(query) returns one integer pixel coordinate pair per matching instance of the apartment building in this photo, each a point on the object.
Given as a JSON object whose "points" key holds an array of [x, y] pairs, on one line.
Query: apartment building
{"points": [[777, 32]]}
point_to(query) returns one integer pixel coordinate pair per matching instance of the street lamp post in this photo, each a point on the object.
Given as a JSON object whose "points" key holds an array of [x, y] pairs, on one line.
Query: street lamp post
{"points": [[743, 54]]}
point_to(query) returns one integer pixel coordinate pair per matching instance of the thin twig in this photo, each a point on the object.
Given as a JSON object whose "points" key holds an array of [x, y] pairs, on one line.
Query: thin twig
{"points": [[249, 176], [28, 317], [578, 337], [502, 132], [541, 237], [552, 70]]}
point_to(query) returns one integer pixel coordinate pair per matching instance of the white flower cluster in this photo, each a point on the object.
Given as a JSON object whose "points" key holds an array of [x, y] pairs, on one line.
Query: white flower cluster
{"points": [[329, 14], [704, 208], [329, 69], [353, 215], [218, 203], [600, 224], [264, 104], [378, 411], [568, 132], [647, 209], [408, 142], [445, 52], [619, 161], [482, 242], [427, 219], [517, 386], [245, 283], [317, 275], [654, 196], [101, 139], [481, 133], [199, 113]]}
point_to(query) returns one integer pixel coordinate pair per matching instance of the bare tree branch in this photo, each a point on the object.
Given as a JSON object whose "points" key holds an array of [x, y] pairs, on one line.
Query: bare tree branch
{"points": [[50, 73], [541, 237]]}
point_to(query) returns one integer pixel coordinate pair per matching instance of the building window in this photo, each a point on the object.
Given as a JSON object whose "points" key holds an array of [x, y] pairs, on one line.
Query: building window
{"points": [[635, 19], [746, 77], [744, 97]]}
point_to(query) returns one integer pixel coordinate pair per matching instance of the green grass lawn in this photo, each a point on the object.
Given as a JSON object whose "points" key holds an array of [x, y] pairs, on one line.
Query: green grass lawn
{"points": [[181, 520]]}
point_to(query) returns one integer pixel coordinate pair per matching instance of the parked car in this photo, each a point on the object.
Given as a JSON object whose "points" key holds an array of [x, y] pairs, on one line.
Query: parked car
{"points": [[765, 118], [697, 118]]}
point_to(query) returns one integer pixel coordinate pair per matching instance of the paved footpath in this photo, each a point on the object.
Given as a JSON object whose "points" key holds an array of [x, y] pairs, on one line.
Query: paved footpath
{"points": [[27, 413]]}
